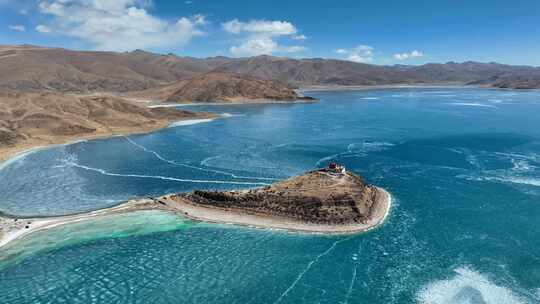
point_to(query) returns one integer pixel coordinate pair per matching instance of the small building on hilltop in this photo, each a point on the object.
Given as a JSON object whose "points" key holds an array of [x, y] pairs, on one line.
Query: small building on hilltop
{"points": [[335, 168]]}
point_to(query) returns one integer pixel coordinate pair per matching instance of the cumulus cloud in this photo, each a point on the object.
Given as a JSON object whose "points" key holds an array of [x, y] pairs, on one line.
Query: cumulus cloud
{"points": [[361, 53], [271, 28], [118, 25], [17, 28], [260, 37], [411, 55], [43, 29]]}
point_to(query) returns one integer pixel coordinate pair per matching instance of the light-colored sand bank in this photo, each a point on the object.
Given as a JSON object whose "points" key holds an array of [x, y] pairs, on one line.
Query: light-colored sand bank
{"points": [[13, 228]]}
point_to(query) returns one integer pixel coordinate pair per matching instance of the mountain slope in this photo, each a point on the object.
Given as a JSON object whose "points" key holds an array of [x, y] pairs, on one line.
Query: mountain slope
{"points": [[29, 119], [222, 87], [31, 68], [337, 72]]}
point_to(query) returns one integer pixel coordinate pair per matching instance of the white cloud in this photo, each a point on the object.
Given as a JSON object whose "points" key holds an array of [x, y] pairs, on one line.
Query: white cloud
{"points": [[260, 37], [255, 46], [263, 27], [17, 28], [299, 37], [361, 53], [292, 49], [43, 29], [199, 19], [118, 25], [263, 45], [411, 55]]}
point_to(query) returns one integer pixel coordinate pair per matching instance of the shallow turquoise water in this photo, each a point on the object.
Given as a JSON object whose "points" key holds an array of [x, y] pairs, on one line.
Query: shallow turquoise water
{"points": [[463, 166]]}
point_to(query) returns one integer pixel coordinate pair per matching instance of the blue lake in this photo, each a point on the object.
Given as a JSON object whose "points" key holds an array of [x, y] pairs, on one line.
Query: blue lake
{"points": [[462, 165]]}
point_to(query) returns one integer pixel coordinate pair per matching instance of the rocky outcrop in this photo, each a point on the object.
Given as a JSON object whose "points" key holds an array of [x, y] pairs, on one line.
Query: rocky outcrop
{"points": [[318, 197]]}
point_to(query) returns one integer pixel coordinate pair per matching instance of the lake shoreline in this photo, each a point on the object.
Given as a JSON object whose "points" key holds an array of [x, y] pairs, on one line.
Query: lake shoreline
{"points": [[239, 217], [450, 85], [13, 228], [8, 154]]}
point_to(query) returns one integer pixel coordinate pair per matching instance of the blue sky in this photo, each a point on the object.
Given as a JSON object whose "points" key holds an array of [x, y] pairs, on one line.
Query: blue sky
{"points": [[378, 32]]}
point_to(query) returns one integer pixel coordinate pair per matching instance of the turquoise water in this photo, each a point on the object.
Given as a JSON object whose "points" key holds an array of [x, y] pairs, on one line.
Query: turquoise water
{"points": [[109, 226], [463, 167]]}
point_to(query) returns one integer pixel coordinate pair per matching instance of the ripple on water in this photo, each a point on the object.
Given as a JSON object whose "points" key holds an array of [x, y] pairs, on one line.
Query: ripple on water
{"points": [[110, 226]]}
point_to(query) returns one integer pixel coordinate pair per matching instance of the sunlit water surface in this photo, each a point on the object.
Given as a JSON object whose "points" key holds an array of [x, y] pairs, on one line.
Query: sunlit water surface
{"points": [[463, 167]]}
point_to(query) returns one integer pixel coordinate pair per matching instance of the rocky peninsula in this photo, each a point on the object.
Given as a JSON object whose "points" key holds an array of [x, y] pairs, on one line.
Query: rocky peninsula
{"points": [[329, 200]]}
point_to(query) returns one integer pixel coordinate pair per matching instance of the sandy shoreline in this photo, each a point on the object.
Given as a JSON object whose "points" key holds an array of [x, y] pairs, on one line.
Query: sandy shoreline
{"points": [[315, 88], [8, 154], [232, 103], [241, 218], [13, 228]]}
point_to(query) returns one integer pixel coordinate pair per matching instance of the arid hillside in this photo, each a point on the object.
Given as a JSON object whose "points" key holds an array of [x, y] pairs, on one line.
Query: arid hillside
{"points": [[29, 68], [221, 87], [30, 119], [32, 68], [317, 197]]}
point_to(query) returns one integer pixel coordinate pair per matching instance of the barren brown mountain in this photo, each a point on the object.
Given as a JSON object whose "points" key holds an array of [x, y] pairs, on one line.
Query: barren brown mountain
{"points": [[31, 119], [318, 71], [32, 68], [222, 87]]}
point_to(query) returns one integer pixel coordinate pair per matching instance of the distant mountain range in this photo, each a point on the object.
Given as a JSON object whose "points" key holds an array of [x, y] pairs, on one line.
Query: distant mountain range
{"points": [[32, 68]]}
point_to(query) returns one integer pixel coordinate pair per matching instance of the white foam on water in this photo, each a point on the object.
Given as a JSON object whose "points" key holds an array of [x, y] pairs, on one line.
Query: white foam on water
{"points": [[104, 172], [368, 146], [231, 115], [189, 122], [472, 104], [17, 158], [521, 165], [172, 162], [206, 161], [521, 180], [370, 98], [467, 287], [512, 179]]}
